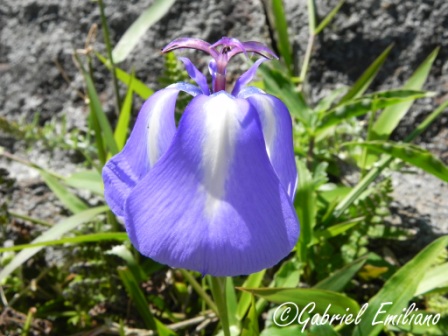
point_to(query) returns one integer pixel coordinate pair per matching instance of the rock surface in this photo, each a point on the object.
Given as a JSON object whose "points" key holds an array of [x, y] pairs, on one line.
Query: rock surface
{"points": [[38, 37]]}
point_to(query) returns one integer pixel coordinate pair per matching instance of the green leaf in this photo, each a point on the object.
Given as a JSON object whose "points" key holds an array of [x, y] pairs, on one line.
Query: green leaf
{"points": [[436, 277], [339, 279], [281, 27], [335, 302], [59, 229], [440, 329], [281, 86], [367, 103], [70, 200], [335, 230], [362, 84], [136, 31], [322, 330], [289, 274], [328, 18], [305, 204], [325, 103], [137, 296], [390, 117], [250, 323], [253, 281], [88, 179], [138, 86], [384, 162], [411, 154], [93, 237], [123, 252], [231, 303], [399, 289], [97, 110], [122, 128]]}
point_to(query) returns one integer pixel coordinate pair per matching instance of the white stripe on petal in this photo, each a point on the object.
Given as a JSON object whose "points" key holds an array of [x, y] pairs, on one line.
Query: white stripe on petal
{"points": [[154, 130], [269, 124], [219, 145]]}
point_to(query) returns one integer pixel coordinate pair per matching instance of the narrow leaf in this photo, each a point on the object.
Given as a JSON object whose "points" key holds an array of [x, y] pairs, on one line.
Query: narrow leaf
{"points": [[436, 277], [123, 252], [305, 204], [328, 18], [335, 230], [136, 31], [339, 279], [253, 281], [139, 87], [411, 154], [337, 303], [70, 200], [96, 108], [137, 296], [281, 27], [367, 103], [398, 290], [250, 323], [89, 179], [384, 162], [56, 231], [362, 84], [122, 128], [390, 117], [93, 237]]}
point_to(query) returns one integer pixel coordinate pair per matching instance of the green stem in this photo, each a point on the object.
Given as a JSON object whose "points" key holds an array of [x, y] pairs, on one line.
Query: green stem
{"points": [[109, 55], [218, 287], [307, 58], [198, 288]]}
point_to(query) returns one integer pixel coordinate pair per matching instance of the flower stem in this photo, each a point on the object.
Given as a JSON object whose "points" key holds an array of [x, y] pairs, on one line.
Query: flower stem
{"points": [[218, 287], [307, 58], [198, 288]]}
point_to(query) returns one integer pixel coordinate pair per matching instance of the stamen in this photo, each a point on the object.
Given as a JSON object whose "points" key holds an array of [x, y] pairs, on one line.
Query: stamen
{"points": [[221, 51]]}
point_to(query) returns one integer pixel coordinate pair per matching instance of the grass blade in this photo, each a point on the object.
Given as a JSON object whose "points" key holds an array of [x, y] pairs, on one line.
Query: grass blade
{"points": [[122, 128], [339, 279], [139, 87], [281, 27], [411, 154], [137, 296], [302, 296], [88, 179], [362, 84], [93, 237], [367, 103], [305, 204], [70, 200], [250, 323], [328, 18], [56, 231], [436, 277], [384, 162], [253, 281], [135, 32], [407, 279], [97, 111], [390, 117]]}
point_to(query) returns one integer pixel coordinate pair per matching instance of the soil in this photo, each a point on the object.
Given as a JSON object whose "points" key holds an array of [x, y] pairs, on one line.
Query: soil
{"points": [[38, 37]]}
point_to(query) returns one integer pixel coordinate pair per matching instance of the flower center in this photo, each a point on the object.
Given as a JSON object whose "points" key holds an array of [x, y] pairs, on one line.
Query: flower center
{"points": [[221, 52]]}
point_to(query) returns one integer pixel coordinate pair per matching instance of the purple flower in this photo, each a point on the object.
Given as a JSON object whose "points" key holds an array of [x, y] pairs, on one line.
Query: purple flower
{"points": [[215, 193]]}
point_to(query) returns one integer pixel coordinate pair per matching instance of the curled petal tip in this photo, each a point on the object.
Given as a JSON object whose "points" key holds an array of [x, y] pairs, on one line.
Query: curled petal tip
{"points": [[189, 43]]}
